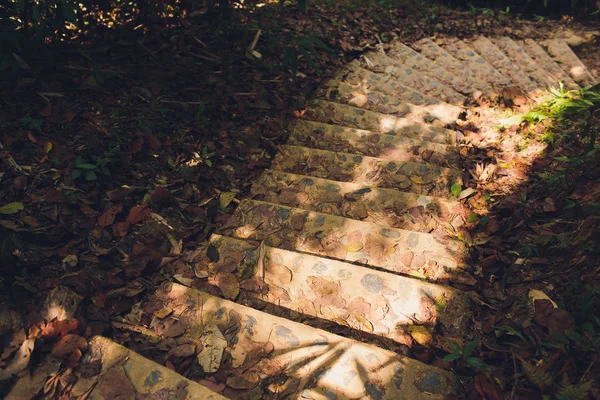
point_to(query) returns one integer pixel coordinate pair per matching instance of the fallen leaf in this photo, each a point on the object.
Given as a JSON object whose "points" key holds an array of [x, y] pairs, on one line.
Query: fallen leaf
{"points": [[535, 294], [11, 208], [172, 328], [68, 344], [57, 328], [182, 351], [363, 323], [108, 217], [277, 274], [353, 247], [114, 384], [70, 261], [184, 281], [163, 312], [466, 193], [19, 361], [247, 380], [138, 213], [421, 335], [226, 198], [214, 345], [227, 283]]}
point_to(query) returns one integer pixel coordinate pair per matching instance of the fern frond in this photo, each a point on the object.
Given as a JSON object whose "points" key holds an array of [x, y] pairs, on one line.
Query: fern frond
{"points": [[572, 392], [536, 375]]}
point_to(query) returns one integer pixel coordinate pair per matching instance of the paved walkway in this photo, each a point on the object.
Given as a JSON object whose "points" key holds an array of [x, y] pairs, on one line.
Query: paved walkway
{"points": [[351, 230]]}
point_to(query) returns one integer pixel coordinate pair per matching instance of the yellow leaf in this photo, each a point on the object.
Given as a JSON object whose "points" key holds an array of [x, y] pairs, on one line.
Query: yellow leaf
{"points": [[353, 247], [363, 322], [47, 147], [226, 198], [417, 274], [417, 179], [390, 250], [539, 295], [421, 335]]}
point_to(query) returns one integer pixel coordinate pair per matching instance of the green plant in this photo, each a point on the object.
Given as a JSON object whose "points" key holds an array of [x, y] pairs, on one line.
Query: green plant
{"points": [[573, 392], [303, 46], [89, 169], [32, 123], [465, 356]]}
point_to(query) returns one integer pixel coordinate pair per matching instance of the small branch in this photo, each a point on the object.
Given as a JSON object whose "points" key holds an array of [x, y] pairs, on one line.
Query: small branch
{"points": [[182, 102]]}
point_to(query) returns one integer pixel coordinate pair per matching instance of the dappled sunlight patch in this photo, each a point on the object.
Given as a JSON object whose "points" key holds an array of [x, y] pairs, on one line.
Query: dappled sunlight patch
{"points": [[260, 346]]}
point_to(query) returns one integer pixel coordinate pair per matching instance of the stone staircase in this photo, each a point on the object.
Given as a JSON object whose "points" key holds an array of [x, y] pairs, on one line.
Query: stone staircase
{"points": [[352, 230]]}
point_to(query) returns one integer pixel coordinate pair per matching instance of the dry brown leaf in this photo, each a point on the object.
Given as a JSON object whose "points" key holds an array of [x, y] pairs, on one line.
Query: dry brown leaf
{"points": [[278, 274], [69, 344], [214, 344], [247, 380], [108, 217], [19, 361], [227, 283]]}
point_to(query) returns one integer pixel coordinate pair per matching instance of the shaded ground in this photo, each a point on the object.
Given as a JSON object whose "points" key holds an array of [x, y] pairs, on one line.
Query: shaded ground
{"points": [[134, 148]]}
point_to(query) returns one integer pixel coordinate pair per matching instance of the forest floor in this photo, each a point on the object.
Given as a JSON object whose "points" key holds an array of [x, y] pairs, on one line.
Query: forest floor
{"points": [[137, 144]]}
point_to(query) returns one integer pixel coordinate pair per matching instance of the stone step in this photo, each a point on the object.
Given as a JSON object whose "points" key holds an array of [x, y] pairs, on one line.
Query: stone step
{"points": [[388, 207], [367, 143], [440, 114], [420, 178], [409, 76], [433, 257], [537, 53], [526, 64], [497, 58], [364, 79], [560, 51], [480, 67], [301, 287], [424, 65], [353, 117], [433, 51], [255, 355], [124, 374]]}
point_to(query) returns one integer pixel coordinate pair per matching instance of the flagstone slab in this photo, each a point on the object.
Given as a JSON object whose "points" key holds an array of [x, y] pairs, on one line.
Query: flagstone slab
{"points": [[433, 51], [537, 53], [124, 374], [364, 79], [351, 140], [409, 76], [424, 65], [497, 58], [518, 55], [393, 208], [420, 178], [435, 257], [353, 117], [260, 356], [560, 51], [345, 93], [474, 62], [359, 298]]}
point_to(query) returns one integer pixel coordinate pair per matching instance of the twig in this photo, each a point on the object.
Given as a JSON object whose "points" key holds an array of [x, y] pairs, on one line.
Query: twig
{"points": [[182, 102], [585, 373], [200, 42], [539, 279], [255, 41], [204, 57]]}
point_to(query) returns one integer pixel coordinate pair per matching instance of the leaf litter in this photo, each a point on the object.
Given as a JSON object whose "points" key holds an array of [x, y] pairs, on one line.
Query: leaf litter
{"points": [[159, 160]]}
